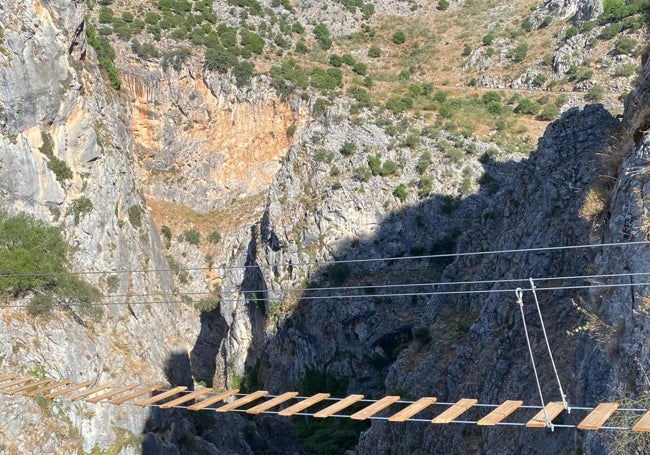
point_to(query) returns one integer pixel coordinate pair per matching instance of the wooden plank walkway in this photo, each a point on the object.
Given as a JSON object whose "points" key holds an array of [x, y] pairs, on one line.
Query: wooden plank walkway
{"points": [[552, 410], [242, 401], [137, 394], [161, 396], [412, 409], [500, 413], [304, 404], [455, 410], [212, 400], [598, 416], [186, 398], [12, 385], [374, 408], [643, 424], [338, 406], [271, 403]]}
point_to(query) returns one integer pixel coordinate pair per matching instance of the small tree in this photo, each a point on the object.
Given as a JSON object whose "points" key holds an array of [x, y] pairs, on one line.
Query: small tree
{"points": [[399, 37]]}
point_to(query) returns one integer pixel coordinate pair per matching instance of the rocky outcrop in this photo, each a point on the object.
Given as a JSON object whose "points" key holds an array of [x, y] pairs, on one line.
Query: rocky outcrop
{"points": [[56, 106], [578, 10]]}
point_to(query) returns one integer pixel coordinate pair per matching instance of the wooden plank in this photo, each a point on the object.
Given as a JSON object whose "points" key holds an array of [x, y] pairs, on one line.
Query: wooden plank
{"points": [[643, 424], [186, 398], [29, 386], [338, 406], [598, 416], [7, 377], [304, 404], [111, 394], [212, 400], [455, 410], [85, 393], [374, 408], [553, 409], [242, 401], [271, 403], [500, 413], [161, 396], [72, 388], [47, 388], [137, 394], [15, 382], [412, 409]]}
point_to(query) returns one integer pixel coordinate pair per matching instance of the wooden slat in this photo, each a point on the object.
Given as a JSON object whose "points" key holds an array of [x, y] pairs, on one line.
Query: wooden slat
{"points": [[338, 406], [31, 385], [161, 396], [111, 394], [47, 388], [15, 382], [137, 394], [72, 388], [7, 377], [304, 404], [500, 413], [85, 393], [412, 409], [553, 409], [186, 398], [455, 410], [242, 401], [271, 403], [598, 416], [643, 424], [212, 400], [374, 408]]}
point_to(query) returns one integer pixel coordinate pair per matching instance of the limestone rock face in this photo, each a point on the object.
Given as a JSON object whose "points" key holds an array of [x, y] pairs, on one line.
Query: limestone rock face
{"points": [[581, 10], [56, 106]]}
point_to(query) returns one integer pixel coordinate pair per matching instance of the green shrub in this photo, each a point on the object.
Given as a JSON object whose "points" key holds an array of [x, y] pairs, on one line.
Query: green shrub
{"points": [[192, 236], [518, 54], [528, 107], [33, 258], [571, 32], [106, 15], [252, 41], [135, 216], [105, 56], [322, 36], [214, 237], [549, 112], [348, 59], [625, 70], [360, 68], [400, 192], [348, 148], [80, 207], [336, 60], [610, 31], [243, 73], [374, 51], [443, 5], [399, 37], [489, 38], [167, 234], [145, 50], [362, 174], [527, 25], [596, 93], [625, 45], [219, 60], [467, 50], [423, 162]]}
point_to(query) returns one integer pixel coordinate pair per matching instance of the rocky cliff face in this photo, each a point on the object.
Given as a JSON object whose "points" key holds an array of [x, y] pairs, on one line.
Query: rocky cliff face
{"points": [[190, 151], [55, 106]]}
